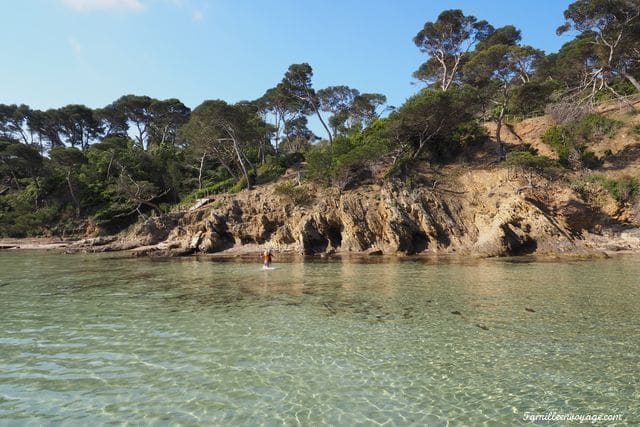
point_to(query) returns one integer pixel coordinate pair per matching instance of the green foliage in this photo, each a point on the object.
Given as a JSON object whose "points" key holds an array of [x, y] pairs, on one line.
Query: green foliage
{"points": [[269, 172], [570, 141], [446, 40], [624, 190], [610, 31], [348, 158], [438, 124], [300, 195], [20, 218], [290, 159], [636, 129], [596, 126], [532, 97], [208, 190], [241, 183], [561, 141], [529, 160]]}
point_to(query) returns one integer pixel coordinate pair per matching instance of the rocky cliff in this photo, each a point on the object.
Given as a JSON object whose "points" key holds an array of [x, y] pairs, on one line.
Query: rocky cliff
{"points": [[490, 212]]}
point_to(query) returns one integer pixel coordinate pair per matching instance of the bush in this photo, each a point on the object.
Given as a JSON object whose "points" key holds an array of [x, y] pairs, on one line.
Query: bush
{"points": [[437, 124], [590, 160], [290, 159], [624, 190], [209, 189], [561, 141], [347, 160], [241, 184], [529, 160], [595, 126], [297, 194], [269, 172], [566, 112], [569, 141]]}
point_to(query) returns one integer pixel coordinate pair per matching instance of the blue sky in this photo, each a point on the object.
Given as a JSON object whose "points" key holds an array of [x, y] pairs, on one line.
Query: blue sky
{"points": [[59, 52]]}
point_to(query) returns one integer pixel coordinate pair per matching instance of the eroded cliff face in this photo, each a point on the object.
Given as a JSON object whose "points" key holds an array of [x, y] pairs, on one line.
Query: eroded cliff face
{"points": [[481, 212]]}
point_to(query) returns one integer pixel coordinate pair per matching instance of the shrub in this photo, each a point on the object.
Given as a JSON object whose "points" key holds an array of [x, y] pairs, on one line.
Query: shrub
{"points": [[269, 172], [241, 184], [570, 141], [595, 126], [561, 141], [209, 189], [290, 159], [347, 160], [299, 195], [528, 160], [566, 112], [589, 159], [624, 190]]}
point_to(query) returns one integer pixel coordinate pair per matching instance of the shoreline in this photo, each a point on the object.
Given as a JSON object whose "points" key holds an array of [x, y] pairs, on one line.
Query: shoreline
{"points": [[248, 252], [36, 243]]}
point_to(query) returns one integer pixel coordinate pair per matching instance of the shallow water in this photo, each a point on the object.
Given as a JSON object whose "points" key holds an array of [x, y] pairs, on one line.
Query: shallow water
{"points": [[95, 339]]}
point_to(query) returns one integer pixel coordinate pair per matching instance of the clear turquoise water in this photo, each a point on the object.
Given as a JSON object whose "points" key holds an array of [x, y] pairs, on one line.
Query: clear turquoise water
{"points": [[93, 339]]}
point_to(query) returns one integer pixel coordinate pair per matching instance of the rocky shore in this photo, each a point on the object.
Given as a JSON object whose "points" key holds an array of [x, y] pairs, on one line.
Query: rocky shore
{"points": [[482, 213]]}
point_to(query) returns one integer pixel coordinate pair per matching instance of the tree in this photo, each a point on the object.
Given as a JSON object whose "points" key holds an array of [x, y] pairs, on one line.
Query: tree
{"points": [[20, 160], [613, 27], [224, 132], [298, 136], [113, 120], [13, 122], [282, 107], [137, 111], [499, 68], [507, 35], [338, 101], [571, 65], [134, 194], [78, 125], [70, 160], [165, 118], [447, 41], [364, 109], [46, 125], [437, 122], [297, 84]]}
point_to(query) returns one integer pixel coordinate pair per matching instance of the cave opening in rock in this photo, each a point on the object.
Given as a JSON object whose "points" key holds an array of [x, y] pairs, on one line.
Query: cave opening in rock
{"points": [[334, 234], [527, 247], [315, 243], [418, 243]]}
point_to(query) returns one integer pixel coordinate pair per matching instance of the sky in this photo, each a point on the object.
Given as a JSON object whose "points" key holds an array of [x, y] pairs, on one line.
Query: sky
{"points": [[91, 52]]}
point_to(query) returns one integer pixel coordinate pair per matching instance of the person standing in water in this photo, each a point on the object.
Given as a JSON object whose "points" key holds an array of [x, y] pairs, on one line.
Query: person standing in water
{"points": [[266, 258]]}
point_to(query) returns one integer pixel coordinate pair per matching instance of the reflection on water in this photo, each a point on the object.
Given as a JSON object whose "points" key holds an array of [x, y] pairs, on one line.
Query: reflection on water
{"points": [[98, 339]]}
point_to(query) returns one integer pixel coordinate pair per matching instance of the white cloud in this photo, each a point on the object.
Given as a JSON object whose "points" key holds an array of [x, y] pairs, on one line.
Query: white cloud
{"points": [[76, 47], [197, 15], [176, 3], [85, 5]]}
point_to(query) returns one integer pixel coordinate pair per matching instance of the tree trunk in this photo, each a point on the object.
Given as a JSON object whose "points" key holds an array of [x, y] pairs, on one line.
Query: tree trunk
{"points": [[228, 169], [323, 123], [241, 162], [200, 170], [15, 179], [418, 151], [73, 195], [632, 80], [502, 154]]}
